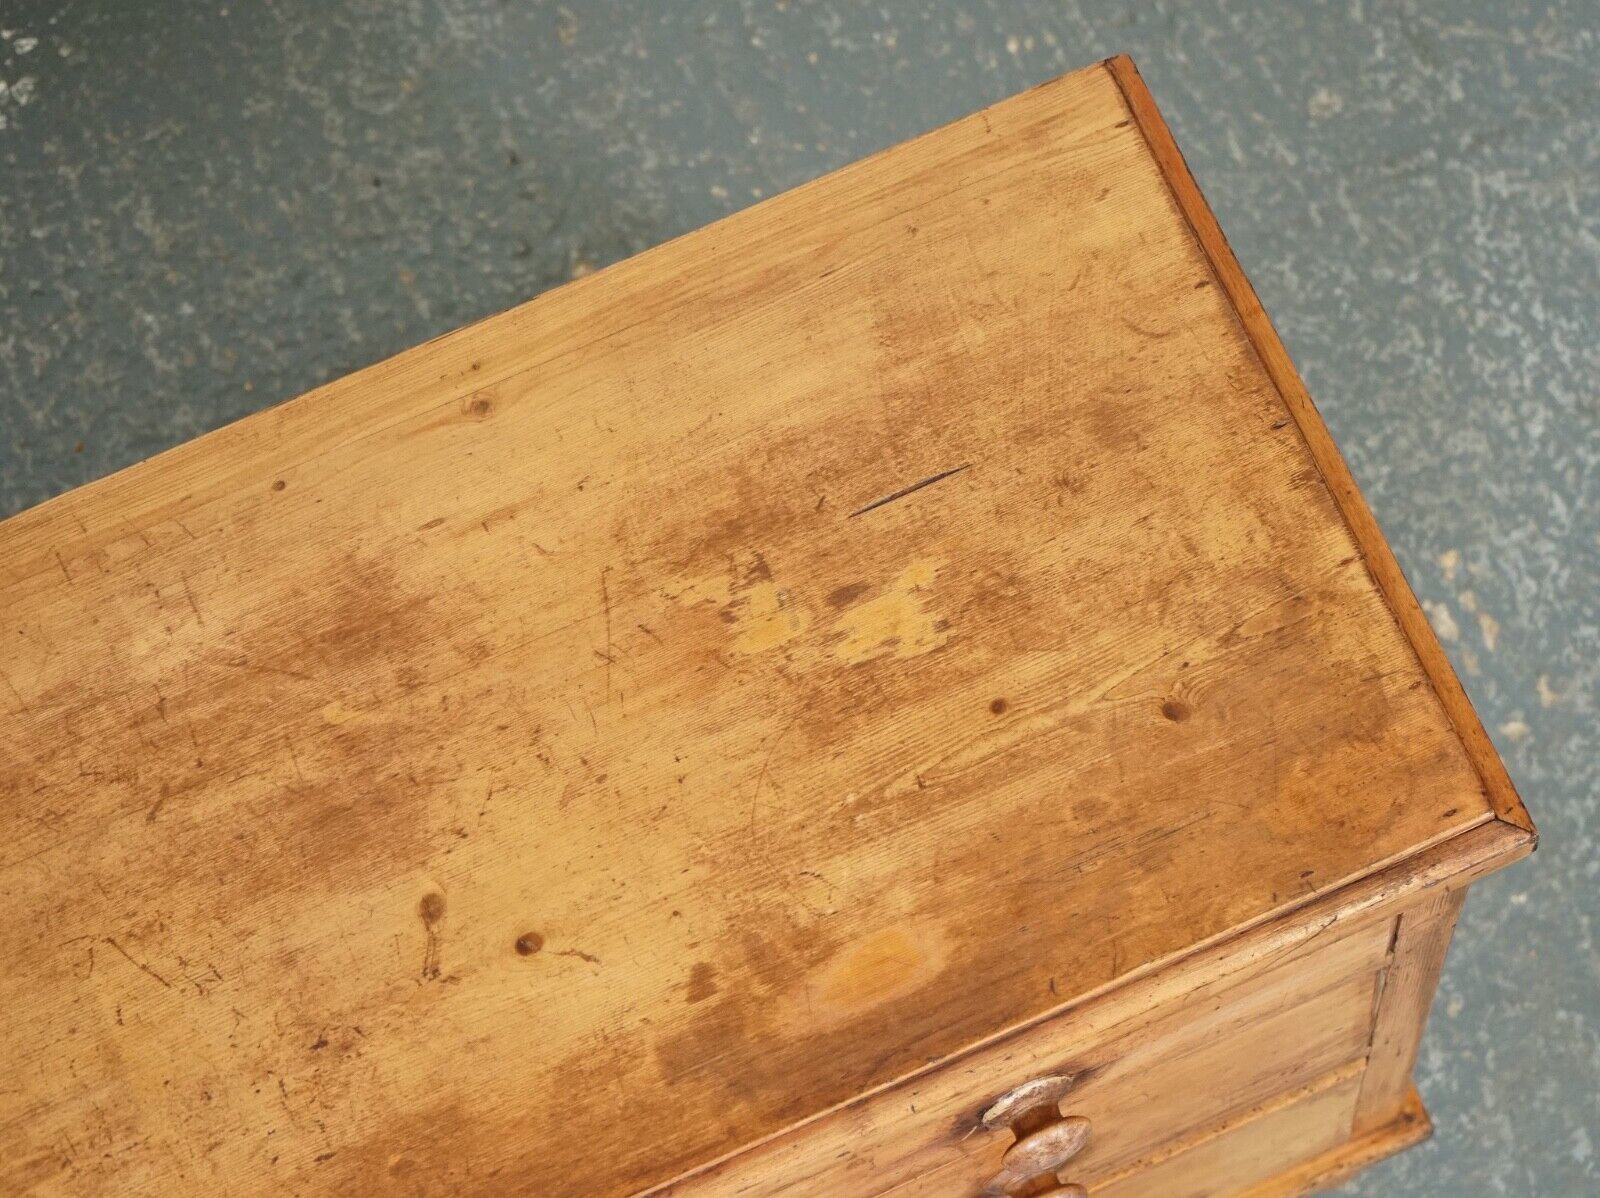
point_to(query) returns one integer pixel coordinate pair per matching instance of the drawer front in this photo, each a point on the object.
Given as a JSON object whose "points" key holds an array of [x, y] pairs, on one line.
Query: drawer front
{"points": [[1227, 1060], [1144, 1078], [1252, 1151]]}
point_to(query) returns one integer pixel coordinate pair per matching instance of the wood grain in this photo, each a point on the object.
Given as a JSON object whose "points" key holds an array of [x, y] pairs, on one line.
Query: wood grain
{"points": [[667, 697]]}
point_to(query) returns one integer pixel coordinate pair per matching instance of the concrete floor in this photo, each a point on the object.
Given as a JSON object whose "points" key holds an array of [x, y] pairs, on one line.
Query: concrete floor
{"points": [[206, 208]]}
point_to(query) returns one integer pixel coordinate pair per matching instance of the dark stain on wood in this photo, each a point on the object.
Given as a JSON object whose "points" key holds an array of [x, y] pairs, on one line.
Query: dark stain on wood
{"points": [[702, 982], [846, 595], [529, 943]]}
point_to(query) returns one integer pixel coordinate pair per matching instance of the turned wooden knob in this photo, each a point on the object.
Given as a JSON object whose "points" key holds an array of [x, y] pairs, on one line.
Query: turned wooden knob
{"points": [[1008, 1108], [1042, 1151]]}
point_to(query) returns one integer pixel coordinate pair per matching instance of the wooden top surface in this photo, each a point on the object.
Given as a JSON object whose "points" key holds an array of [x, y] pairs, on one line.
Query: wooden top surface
{"points": [[556, 756]]}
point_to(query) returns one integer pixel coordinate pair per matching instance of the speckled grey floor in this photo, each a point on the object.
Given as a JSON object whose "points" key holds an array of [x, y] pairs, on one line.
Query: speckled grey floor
{"points": [[208, 207]]}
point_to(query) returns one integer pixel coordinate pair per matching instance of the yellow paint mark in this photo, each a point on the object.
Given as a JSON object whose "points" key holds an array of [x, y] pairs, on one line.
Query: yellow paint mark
{"points": [[885, 966], [896, 623], [766, 617], [763, 615]]}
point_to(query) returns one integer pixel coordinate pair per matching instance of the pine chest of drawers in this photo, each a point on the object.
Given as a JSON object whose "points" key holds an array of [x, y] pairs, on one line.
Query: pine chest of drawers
{"points": [[894, 693]]}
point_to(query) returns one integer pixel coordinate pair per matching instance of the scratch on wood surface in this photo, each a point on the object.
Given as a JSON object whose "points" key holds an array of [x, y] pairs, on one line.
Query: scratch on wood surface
{"points": [[193, 606], [766, 761], [139, 965], [579, 954], [1152, 334], [914, 487], [431, 911], [15, 694], [240, 663], [605, 600]]}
